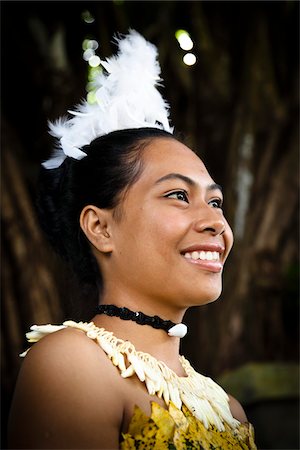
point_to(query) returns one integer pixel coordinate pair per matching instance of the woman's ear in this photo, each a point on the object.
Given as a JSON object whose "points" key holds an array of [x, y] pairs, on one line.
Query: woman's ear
{"points": [[95, 223]]}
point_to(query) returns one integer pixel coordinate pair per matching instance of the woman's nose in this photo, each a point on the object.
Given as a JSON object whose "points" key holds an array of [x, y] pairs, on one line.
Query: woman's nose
{"points": [[211, 221]]}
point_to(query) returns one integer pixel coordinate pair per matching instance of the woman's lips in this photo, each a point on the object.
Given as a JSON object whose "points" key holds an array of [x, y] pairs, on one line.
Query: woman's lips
{"points": [[206, 257], [211, 266]]}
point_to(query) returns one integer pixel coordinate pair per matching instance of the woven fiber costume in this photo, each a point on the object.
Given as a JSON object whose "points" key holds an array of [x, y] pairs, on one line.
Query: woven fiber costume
{"points": [[197, 414]]}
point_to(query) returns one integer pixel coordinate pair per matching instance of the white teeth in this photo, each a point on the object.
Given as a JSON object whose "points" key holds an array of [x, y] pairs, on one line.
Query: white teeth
{"points": [[195, 255], [204, 256], [209, 256]]}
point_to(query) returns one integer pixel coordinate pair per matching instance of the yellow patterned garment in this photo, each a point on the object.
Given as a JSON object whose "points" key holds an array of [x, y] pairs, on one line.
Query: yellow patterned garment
{"points": [[175, 429]]}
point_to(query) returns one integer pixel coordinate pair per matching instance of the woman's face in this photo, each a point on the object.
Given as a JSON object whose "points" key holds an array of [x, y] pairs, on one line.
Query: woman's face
{"points": [[172, 240]]}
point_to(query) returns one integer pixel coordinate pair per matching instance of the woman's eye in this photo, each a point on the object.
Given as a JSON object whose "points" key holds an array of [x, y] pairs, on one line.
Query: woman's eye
{"points": [[216, 203], [179, 195]]}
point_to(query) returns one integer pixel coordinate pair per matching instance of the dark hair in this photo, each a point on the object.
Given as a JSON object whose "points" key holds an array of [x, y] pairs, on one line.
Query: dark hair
{"points": [[113, 163]]}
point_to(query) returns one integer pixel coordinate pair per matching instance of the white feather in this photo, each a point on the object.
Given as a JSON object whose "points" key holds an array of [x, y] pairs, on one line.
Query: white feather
{"points": [[126, 96]]}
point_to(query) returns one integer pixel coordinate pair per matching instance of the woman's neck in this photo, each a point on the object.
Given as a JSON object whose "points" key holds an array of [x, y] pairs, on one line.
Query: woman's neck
{"points": [[145, 338], [140, 301]]}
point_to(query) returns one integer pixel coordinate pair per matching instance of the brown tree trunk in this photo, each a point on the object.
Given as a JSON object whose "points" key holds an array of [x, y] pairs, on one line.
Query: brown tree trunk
{"points": [[29, 290]]}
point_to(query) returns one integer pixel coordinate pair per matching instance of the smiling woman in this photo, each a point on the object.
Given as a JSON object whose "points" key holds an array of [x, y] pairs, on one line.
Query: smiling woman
{"points": [[139, 218], [169, 217]]}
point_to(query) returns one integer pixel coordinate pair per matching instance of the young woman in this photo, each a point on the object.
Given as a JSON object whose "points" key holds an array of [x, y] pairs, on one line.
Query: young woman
{"points": [[140, 218]]}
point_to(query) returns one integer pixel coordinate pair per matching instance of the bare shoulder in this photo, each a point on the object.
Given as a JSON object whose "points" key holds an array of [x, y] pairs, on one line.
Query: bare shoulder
{"points": [[237, 410], [66, 344], [67, 389], [69, 353]]}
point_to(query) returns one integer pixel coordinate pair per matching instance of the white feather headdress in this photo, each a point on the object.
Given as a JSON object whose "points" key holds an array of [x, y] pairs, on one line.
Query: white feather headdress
{"points": [[126, 96]]}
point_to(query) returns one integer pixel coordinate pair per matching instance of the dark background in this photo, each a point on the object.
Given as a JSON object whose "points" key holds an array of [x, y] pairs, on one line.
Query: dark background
{"points": [[238, 108]]}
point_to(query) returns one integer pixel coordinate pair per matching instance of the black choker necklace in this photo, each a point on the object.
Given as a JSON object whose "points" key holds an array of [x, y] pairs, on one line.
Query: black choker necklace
{"points": [[173, 329]]}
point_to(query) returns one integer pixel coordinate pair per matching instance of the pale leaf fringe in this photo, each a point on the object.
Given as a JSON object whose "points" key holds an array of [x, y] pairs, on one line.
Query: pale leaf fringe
{"points": [[207, 401]]}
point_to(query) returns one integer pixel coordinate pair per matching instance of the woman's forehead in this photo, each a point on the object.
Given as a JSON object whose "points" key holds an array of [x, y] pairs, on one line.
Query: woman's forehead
{"points": [[163, 156]]}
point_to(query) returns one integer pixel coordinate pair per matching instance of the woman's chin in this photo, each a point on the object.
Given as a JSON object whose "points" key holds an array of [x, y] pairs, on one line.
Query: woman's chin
{"points": [[206, 297], [212, 299]]}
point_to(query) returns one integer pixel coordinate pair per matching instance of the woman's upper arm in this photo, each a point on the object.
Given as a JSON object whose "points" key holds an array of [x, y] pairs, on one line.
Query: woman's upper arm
{"points": [[237, 410], [66, 396]]}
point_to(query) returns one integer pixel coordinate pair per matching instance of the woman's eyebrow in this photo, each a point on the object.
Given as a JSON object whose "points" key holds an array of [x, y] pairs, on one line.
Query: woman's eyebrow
{"points": [[179, 176], [189, 181], [214, 187]]}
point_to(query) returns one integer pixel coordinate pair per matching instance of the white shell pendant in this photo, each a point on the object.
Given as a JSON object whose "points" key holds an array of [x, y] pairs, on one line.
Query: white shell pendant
{"points": [[178, 330]]}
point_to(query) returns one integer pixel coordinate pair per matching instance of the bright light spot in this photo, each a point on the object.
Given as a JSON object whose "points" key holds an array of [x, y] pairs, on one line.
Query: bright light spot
{"points": [[90, 43], [87, 17], [94, 72], [184, 40], [179, 33], [91, 97], [85, 44], [90, 86], [94, 61], [87, 54], [93, 44], [189, 59]]}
